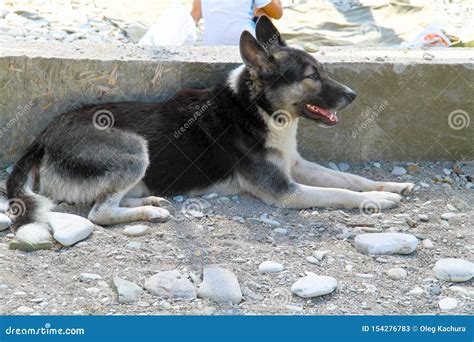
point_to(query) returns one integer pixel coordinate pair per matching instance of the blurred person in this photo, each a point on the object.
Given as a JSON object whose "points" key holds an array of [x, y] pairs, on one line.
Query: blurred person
{"points": [[224, 21]]}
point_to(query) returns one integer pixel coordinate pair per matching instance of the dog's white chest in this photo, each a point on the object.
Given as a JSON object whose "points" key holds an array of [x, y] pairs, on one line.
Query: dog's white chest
{"points": [[282, 139]]}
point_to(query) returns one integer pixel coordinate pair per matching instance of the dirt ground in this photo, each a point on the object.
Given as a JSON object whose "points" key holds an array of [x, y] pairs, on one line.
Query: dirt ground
{"points": [[47, 281]]}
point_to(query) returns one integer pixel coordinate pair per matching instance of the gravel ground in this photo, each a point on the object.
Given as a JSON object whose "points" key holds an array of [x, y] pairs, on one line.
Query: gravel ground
{"points": [[224, 231]]}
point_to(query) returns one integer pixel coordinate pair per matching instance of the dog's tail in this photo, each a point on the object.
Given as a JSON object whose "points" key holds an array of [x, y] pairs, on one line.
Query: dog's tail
{"points": [[27, 209]]}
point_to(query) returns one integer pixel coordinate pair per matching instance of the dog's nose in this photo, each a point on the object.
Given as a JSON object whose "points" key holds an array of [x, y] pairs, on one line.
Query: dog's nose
{"points": [[351, 95]]}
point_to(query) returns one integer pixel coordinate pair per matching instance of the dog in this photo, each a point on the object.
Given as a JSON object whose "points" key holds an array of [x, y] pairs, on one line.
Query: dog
{"points": [[237, 137]]}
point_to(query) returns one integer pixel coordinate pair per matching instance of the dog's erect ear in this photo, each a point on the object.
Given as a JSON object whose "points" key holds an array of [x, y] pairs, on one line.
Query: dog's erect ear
{"points": [[267, 34], [255, 56]]}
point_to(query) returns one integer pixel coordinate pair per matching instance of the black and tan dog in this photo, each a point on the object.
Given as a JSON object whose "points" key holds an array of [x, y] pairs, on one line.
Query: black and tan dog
{"points": [[238, 137]]}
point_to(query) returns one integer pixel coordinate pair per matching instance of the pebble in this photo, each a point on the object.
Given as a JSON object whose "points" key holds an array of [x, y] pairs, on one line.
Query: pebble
{"points": [[220, 285], [411, 222], [69, 229], [170, 284], [22, 246], [423, 218], [127, 292], [333, 166], [210, 195], [264, 218], [454, 270], [448, 216], [447, 304], [89, 277], [312, 260], [281, 231], [424, 185], [435, 290], [413, 168], [313, 285], [25, 310], [238, 219], [134, 245], [416, 291], [463, 291], [270, 267], [5, 222], [136, 230], [377, 165], [385, 243], [320, 254], [447, 172], [398, 171], [344, 167], [396, 273], [427, 243], [178, 198]]}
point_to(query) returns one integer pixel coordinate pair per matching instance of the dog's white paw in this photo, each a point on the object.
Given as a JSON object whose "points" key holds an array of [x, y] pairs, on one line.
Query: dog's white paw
{"points": [[398, 188], [375, 201], [155, 214]]}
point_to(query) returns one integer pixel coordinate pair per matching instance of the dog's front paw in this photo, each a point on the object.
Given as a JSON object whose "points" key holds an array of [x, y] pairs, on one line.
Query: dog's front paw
{"points": [[398, 188], [376, 201]]}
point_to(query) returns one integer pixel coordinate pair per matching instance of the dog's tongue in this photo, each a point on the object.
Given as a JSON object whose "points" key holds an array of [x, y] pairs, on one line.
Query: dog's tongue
{"points": [[327, 116]]}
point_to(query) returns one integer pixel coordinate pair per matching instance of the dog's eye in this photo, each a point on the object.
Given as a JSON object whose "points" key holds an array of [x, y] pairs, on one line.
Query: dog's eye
{"points": [[313, 76]]}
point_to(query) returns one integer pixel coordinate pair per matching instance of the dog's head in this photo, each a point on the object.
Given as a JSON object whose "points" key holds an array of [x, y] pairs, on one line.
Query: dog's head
{"points": [[291, 79]]}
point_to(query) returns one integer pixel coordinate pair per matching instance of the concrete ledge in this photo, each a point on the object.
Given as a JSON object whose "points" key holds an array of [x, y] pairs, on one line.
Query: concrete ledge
{"points": [[412, 105]]}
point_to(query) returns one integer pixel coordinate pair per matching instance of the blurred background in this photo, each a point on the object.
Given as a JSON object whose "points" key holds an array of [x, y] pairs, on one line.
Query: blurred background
{"points": [[309, 23]]}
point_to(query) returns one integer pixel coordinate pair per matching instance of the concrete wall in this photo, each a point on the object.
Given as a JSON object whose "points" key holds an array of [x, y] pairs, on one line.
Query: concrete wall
{"points": [[412, 105]]}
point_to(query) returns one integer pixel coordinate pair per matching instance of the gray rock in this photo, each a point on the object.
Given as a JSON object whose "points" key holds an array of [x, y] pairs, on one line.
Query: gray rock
{"points": [[178, 198], [264, 218], [423, 218], [313, 285], [435, 290], [416, 291], [134, 245], [220, 285], [136, 230], [447, 304], [210, 195], [398, 171], [427, 243], [454, 270], [281, 231], [127, 292], [170, 284], [385, 243], [312, 260], [5, 222], [377, 165], [270, 267], [344, 167], [396, 273]]}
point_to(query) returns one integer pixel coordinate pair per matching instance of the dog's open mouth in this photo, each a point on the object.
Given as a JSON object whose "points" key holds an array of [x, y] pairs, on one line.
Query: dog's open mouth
{"points": [[317, 113]]}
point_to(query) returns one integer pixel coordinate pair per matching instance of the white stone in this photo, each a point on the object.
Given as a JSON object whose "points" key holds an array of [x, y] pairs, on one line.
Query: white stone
{"points": [[270, 267], [416, 291], [69, 229], [136, 230], [447, 172], [25, 310], [312, 260], [424, 185], [385, 243], [396, 273], [320, 254], [88, 277], [423, 217], [454, 270], [220, 285], [127, 292], [398, 171], [427, 243], [5, 222], [447, 304], [281, 231], [178, 198], [134, 245], [448, 216], [377, 165], [170, 284], [313, 285]]}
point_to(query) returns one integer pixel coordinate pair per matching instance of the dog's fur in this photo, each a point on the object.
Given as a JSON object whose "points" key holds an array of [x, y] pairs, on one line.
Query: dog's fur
{"points": [[238, 137]]}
